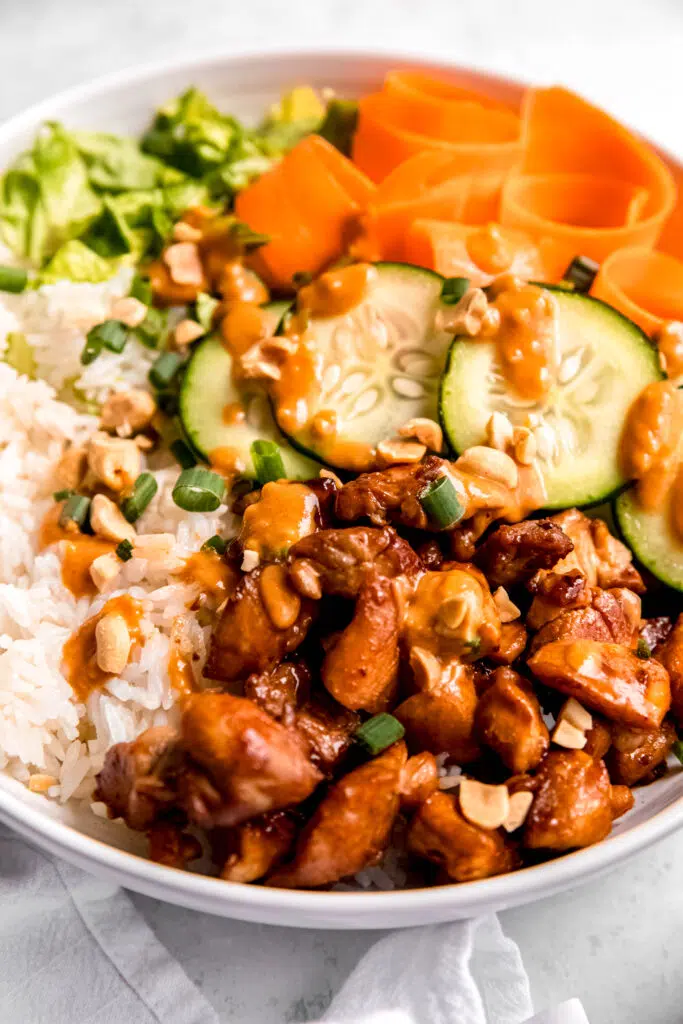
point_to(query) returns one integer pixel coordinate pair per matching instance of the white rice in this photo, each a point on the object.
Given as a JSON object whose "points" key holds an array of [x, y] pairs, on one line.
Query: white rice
{"points": [[44, 729]]}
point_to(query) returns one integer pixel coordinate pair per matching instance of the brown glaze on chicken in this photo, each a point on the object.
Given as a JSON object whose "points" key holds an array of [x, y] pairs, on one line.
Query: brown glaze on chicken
{"points": [[512, 554], [134, 780], [612, 616], [390, 496], [572, 803], [635, 753], [509, 720], [343, 559], [671, 657]]}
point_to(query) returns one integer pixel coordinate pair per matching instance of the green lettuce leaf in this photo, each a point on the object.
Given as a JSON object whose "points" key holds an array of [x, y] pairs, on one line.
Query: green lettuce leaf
{"points": [[117, 164], [75, 261], [189, 133]]}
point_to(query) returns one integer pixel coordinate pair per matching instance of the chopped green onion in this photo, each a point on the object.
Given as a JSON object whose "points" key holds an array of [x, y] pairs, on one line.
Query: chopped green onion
{"points": [[164, 369], [13, 279], [379, 732], [267, 462], [110, 334], [168, 403], [144, 489], [581, 273], [643, 649], [199, 490], [440, 501], [182, 454], [124, 550], [152, 328], [63, 495], [246, 237], [339, 124], [453, 290], [215, 543], [141, 289], [473, 646], [205, 307], [301, 278], [677, 749], [75, 510]]}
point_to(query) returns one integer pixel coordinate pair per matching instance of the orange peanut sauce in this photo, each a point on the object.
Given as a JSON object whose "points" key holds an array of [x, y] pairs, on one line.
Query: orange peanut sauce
{"points": [[211, 574], [669, 341], [226, 461], [243, 325], [179, 666], [649, 442], [489, 250], [450, 611], [80, 551], [285, 512], [233, 414], [337, 291], [80, 650], [481, 496], [526, 337]]}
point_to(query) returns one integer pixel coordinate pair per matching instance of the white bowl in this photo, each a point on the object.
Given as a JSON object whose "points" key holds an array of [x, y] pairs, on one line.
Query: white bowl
{"points": [[245, 85]]}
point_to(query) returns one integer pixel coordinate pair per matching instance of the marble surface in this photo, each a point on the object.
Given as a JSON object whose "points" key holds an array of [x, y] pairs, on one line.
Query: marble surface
{"points": [[614, 943]]}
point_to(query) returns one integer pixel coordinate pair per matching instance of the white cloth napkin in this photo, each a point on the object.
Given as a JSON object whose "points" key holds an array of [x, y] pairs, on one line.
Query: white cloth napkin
{"points": [[74, 949]]}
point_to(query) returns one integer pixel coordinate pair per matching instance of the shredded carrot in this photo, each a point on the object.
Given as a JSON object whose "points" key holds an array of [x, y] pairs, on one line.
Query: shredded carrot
{"points": [[645, 286], [479, 253]]}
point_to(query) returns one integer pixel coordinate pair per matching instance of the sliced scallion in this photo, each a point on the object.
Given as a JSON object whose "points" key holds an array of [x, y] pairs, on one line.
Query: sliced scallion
{"points": [[677, 749], [63, 495], [144, 489], [124, 550], [379, 732], [267, 461], [13, 279], [440, 501], [453, 290], [75, 510], [340, 123], [110, 334], [581, 273], [205, 307], [199, 490], [215, 543], [141, 289], [153, 327], [247, 237], [643, 649], [182, 454], [164, 369]]}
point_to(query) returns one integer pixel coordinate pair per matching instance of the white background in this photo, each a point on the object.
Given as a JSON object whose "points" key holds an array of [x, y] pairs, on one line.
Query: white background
{"points": [[615, 943]]}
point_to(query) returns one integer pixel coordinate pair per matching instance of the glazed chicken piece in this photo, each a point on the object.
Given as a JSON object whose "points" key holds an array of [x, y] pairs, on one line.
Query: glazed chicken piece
{"points": [[554, 593], [655, 632], [443, 722], [612, 616], [572, 804], [246, 640], [513, 641], [281, 691], [241, 762], [441, 834], [390, 496], [512, 554], [360, 669], [351, 827], [342, 559], [419, 779], [598, 738], [133, 782], [327, 729], [171, 846], [635, 753], [607, 678], [602, 559], [671, 657], [509, 720], [253, 849]]}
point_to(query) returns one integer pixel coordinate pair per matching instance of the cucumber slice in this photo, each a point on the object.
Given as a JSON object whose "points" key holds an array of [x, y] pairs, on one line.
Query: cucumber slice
{"points": [[606, 360], [379, 365], [208, 388], [275, 312], [651, 539]]}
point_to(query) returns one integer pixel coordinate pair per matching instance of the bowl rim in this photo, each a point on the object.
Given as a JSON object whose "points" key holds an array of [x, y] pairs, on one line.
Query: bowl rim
{"points": [[255, 902]]}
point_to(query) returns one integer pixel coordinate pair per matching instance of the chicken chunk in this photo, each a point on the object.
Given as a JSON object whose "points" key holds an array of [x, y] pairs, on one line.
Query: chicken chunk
{"points": [[246, 640], [602, 559], [390, 496], [351, 827], [656, 631], [360, 670], [254, 848], [443, 721], [513, 641], [452, 614], [328, 730], [635, 753], [671, 657], [343, 558], [512, 554], [242, 762], [606, 678], [282, 690], [598, 738], [133, 783], [170, 845], [554, 593], [572, 804], [419, 779], [509, 720], [613, 616], [441, 834]]}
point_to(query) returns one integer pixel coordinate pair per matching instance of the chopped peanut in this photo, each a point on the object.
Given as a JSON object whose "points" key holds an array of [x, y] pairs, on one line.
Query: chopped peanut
{"points": [[567, 735], [424, 430], [184, 264], [483, 805], [114, 461], [467, 317], [105, 569], [128, 412], [186, 332], [507, 609], [113, 643], [72, 467], [306, 578], [108, 521], [394, 453], [499, 431], [184, 232], [525, 445], [129, 311], [250, 560], [489, 462], [576, 714], [520, 805]]}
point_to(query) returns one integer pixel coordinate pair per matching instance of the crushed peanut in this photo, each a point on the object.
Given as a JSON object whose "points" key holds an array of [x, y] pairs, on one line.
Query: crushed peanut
{"points": [[254, 364], [525, 445], [567, 735], [105, 569], [520, 805], [306, 579], [491, 463], [250, 560], [114, 461], [184, 232], [394, 453], [129, 311], [499, 431], [576, 714], [113, 643], [507, 609], [426, 667], [184, 264], [72, 467], [424, 430], [467, 316], [484, 805], [108, 521], [186, 332], [327, 474], [128, 412]]}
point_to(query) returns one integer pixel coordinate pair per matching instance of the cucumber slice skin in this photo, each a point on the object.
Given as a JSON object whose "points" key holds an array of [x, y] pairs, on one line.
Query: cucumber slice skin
{"points": [[276, 312], [206, 389], [597, 484], [648, 537], [405, 275]]}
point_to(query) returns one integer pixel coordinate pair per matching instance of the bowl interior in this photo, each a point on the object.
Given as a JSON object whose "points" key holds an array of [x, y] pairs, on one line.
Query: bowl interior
{"points": [[245, 86]]}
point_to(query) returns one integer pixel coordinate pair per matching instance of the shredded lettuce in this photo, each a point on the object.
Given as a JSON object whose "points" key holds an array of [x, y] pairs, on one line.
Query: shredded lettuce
{"points": [[116, 163], [19, 354], [75, 261]]}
